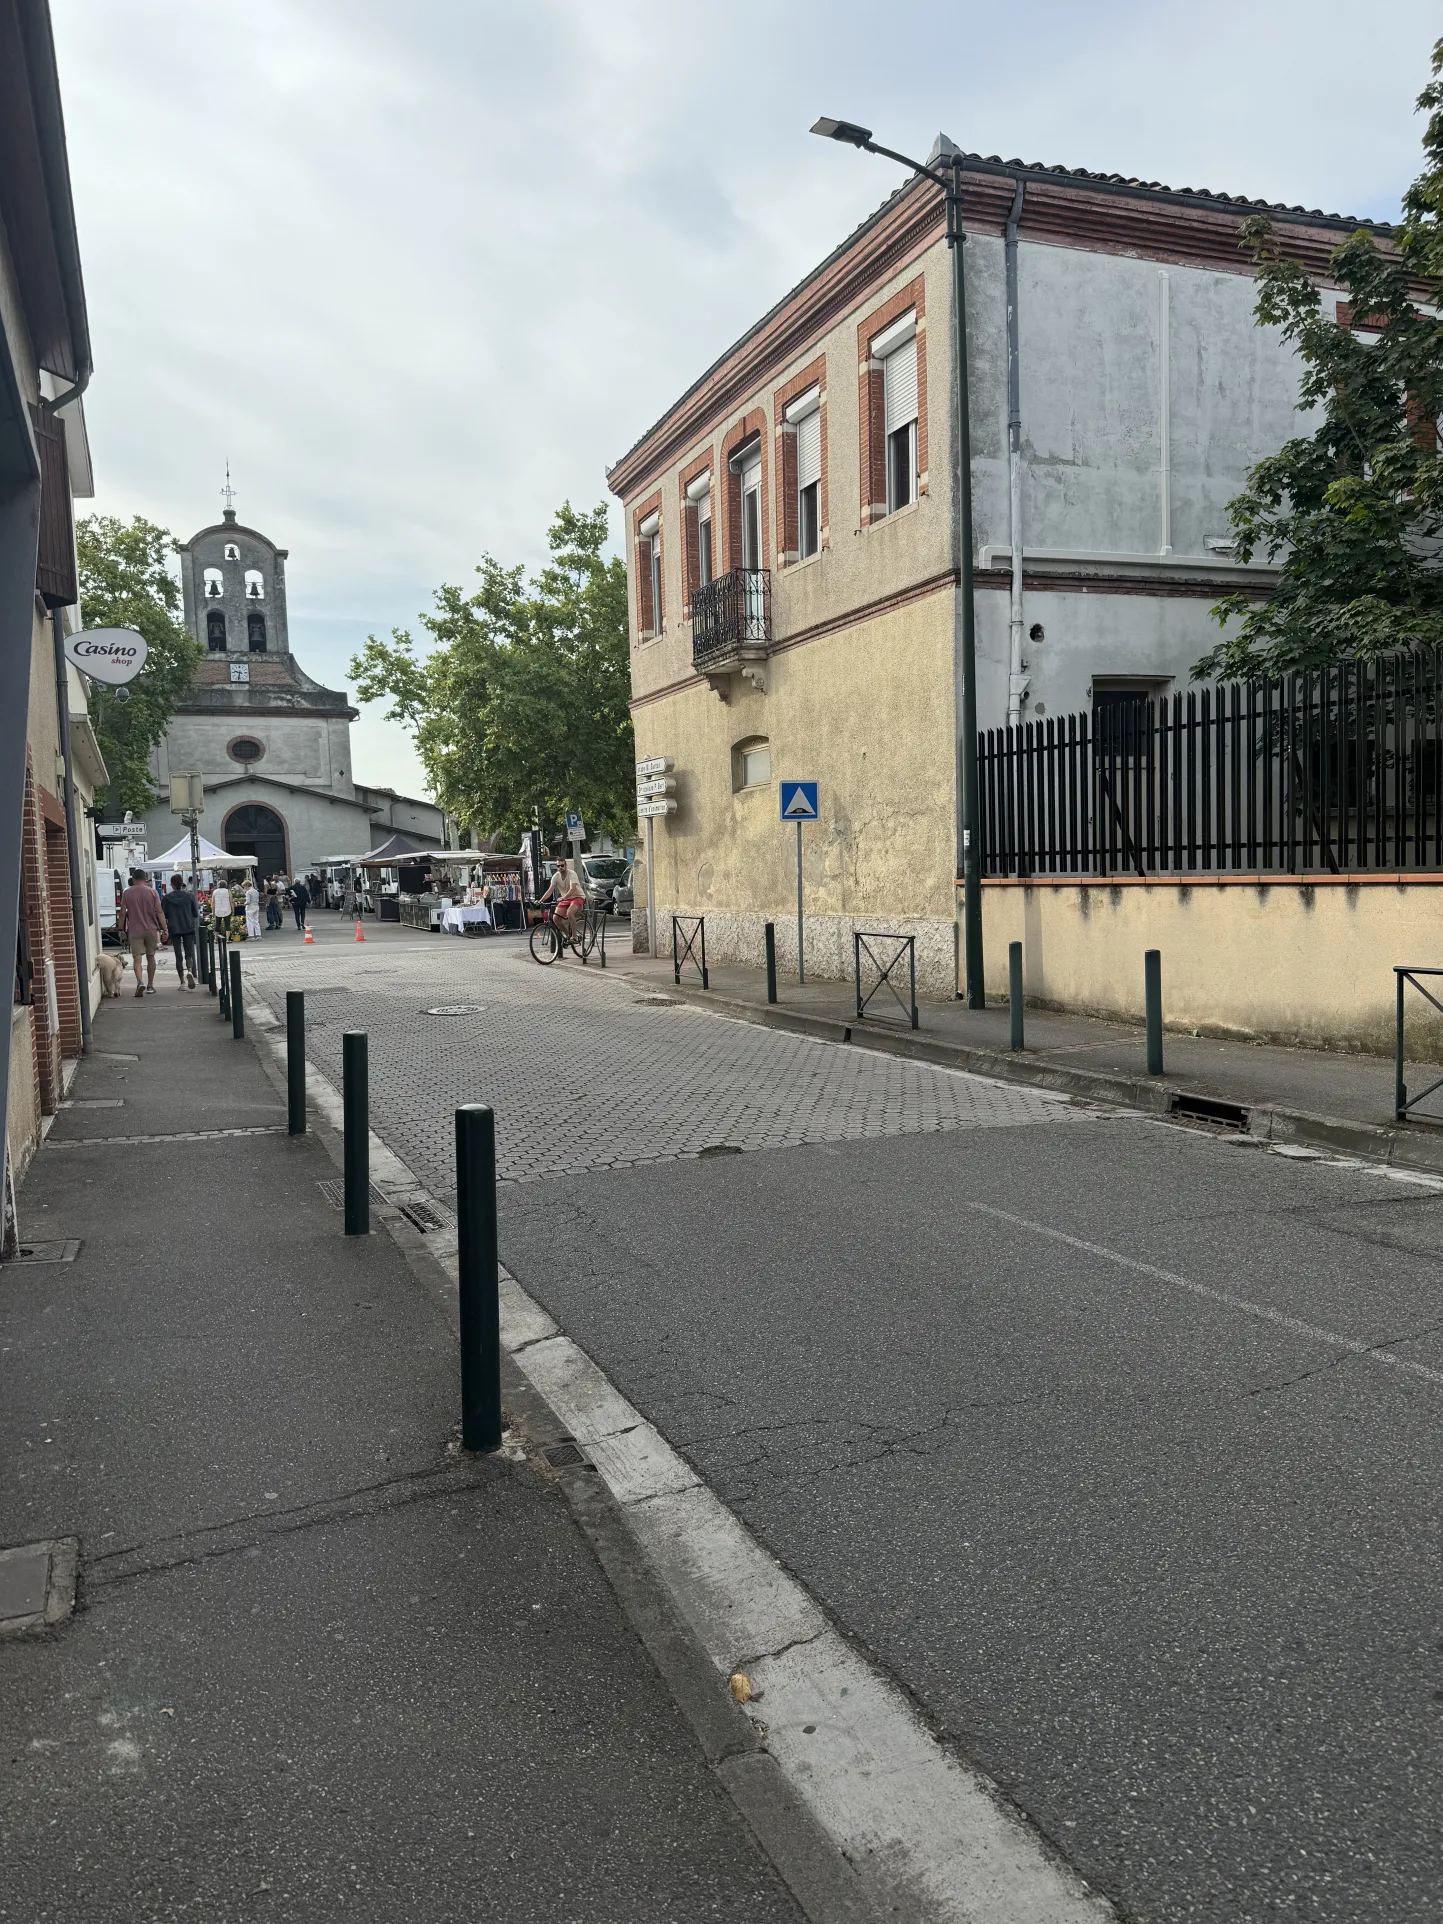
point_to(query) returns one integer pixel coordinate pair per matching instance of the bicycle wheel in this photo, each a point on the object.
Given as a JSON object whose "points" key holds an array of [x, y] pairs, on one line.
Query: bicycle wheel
{"points": [[545, 942], [583, 938]]}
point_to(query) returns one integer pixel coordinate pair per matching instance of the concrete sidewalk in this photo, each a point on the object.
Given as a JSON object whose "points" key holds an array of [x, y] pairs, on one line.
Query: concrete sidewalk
{"points": [[320, 1664], [1341, 1101]]}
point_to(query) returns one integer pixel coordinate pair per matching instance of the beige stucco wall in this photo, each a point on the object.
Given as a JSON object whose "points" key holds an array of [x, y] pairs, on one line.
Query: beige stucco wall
{"points": [[21, 1116], [1306, 963], [856, 566], [866, 712]]}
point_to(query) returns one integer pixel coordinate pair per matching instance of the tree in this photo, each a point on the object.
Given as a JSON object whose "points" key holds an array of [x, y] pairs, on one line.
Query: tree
{"points": [[1353, 512], [125, 582], [522, 700]]}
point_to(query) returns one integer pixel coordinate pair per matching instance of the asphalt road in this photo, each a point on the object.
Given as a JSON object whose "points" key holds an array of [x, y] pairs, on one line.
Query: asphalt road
{"points": [[1118, 1444]]}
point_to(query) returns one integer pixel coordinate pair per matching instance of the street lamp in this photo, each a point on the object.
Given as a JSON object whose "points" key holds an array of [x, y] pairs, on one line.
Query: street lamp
{"points": [[851, 135]]}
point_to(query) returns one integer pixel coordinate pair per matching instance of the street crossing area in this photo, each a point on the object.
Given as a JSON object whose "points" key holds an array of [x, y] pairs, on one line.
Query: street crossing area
{"points": [[587, 1072]]}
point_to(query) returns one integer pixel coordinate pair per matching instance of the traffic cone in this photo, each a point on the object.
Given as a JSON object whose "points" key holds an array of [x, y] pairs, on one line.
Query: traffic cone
{"points": [[309, 936], [360, 933]]}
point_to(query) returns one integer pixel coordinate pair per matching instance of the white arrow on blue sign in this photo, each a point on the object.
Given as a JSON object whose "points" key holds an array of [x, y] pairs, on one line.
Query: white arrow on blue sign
{"points": [[799, 801]]}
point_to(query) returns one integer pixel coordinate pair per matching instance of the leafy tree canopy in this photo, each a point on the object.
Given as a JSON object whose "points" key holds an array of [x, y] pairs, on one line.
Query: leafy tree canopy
{"points": [[1353, 512], [125, 582], [522, 700]]}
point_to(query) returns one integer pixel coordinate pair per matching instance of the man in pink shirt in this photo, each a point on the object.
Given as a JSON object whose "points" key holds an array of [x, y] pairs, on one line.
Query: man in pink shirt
{"points": [[142, 920]]}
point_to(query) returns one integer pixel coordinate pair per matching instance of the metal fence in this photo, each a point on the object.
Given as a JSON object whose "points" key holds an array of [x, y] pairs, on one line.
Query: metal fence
{"points": [[1332, 772]]}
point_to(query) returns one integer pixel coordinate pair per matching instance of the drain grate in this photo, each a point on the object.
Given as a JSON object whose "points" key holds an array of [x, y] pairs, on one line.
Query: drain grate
{"points": [[564, 1456], [51, 1252], [334, 1191], [1222, 1115], [425, 1217]]}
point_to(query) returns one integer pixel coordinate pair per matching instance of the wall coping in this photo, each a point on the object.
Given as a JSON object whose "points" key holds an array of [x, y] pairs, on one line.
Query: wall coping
{"points": [[1262, 878]]}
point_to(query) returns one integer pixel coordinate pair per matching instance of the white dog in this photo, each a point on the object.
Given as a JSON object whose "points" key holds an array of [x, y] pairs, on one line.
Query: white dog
{"points": [[112, 972]]}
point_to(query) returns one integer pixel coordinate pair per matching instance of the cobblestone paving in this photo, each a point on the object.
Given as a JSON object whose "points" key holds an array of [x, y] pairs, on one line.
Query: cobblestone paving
{"points": [[587, 1072]]}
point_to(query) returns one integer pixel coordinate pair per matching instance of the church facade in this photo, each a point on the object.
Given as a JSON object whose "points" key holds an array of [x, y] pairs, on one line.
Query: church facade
{"points": [[272, 746]]}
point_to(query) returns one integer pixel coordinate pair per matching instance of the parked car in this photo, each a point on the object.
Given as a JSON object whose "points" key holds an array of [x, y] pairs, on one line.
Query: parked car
{"points": [[621, 898], [600, 875]]}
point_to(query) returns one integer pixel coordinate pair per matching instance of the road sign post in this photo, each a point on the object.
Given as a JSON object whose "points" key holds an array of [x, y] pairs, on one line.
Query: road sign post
{"points": [[799, 804], [654, 791]]}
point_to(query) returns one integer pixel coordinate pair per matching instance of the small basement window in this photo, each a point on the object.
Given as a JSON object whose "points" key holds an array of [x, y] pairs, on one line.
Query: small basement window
{"points": [[752, 763]]}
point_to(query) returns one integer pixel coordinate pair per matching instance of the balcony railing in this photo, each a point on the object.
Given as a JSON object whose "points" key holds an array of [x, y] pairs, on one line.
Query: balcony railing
{"points": [[731, 618]]}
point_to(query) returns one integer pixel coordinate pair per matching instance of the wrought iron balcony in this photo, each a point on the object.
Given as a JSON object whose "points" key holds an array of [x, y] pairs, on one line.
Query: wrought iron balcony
{"points": [[731, 621]]}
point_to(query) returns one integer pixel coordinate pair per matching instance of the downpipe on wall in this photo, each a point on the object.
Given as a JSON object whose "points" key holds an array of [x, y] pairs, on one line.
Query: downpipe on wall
{"points": [[1017, 680]]}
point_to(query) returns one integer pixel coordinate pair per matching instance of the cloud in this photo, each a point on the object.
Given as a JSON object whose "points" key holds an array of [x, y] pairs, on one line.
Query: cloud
{"points": [[421, 271]]}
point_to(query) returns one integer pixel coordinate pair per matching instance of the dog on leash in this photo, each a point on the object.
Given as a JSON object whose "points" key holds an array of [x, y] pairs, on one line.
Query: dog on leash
{"points": [[112, 973]]}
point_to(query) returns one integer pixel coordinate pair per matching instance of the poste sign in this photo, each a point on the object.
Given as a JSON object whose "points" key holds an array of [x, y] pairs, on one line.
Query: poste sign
{"points": [[113, 655]]}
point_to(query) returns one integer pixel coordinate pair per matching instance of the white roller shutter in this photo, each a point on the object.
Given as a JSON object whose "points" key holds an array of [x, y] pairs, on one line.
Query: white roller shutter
{"points": [[809, 449], [899, 380]]}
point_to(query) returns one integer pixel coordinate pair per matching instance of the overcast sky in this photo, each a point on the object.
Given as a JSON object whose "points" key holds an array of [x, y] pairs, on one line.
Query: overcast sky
{"points": [[422, 269]]}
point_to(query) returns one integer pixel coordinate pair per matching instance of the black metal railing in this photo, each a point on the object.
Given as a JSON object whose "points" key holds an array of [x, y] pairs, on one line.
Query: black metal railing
{"points": [[731, 616], [1333, 772]]}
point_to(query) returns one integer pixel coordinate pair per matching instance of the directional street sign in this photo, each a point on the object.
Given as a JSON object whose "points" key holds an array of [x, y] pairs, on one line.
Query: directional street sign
{"points": [[658, 765], [658, 785], [658, 807], [799, 801]]}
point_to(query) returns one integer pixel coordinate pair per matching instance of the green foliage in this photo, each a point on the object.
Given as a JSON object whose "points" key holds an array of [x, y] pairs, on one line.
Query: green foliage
{"points": [[522, 699], [1353, 512], [125, 582]]}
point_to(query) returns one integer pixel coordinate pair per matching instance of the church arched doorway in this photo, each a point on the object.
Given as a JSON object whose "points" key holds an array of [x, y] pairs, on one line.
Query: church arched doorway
{"points": [[254, 829]]}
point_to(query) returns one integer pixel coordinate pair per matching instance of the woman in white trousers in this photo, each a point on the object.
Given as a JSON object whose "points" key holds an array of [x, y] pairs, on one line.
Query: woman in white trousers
{"points": [[253, 912]]}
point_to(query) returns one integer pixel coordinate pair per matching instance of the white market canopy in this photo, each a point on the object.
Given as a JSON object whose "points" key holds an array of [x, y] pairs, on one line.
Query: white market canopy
{"points": [[179, 857]]}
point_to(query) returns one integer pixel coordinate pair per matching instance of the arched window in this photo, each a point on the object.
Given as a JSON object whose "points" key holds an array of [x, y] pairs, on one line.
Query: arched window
{"points": [[752, 763], [214, 584], [215, 630], [256, 830], [255, 585], [256, 631]]}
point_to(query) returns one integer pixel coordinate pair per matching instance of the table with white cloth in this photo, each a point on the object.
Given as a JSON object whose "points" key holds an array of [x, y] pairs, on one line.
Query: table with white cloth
{"points": [[457, 917]]}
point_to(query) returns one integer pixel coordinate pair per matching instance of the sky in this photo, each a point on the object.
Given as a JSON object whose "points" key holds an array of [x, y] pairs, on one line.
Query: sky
{"points": [[421, 270]]}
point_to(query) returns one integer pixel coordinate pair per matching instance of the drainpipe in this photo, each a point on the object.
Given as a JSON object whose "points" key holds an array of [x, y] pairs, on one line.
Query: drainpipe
{"points": [[1164, 411], [1016, 679], [77, 894]]}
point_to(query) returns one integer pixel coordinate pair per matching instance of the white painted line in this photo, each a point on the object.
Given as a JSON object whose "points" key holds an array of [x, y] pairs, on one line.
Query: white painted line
{"points": [[1295, 1325], [929, 1831]]}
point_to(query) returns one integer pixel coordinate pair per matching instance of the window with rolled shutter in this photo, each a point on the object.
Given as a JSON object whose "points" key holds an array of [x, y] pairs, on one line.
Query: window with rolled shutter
{"points": [[809, 483], [899, 411]]}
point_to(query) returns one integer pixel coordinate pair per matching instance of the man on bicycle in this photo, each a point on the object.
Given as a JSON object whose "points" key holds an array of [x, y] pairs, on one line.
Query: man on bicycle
{"points": [[566, 891]]}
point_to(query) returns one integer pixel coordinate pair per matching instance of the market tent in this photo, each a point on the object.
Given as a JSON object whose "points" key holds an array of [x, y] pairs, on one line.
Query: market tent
{"points": [[210, 857]]}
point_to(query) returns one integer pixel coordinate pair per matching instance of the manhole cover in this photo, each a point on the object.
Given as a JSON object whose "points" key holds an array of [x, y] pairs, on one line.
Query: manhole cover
{"points": [[55, 1252], [458, 1008], [717, 1149]]}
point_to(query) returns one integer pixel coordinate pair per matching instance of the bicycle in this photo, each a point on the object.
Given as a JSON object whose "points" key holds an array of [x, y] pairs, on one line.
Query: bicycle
{"points": [[548, 941]]}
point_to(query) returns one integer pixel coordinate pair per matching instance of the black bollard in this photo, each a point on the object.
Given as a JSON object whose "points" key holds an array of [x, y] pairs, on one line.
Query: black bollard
{"points": [[770, 934], [356, 1132], [1014, 991], [1152, 987], [223, 971], [295, 1062], [237, 999], [480, 1302]]}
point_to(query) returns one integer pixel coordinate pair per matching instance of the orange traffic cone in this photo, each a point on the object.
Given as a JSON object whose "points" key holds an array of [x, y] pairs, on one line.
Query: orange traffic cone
{"points": [[309, 936], [360, 933]]}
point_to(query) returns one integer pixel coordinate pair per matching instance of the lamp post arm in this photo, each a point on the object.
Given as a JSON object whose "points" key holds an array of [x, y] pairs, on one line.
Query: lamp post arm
{"points": [[890, 153]]}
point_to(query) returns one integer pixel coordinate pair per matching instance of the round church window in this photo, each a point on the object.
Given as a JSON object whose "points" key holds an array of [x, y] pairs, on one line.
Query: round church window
{"points": [[245, 748]]}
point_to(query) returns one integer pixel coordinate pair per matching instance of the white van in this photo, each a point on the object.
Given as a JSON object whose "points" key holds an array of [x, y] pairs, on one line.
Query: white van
{"points": [[108, 884]]}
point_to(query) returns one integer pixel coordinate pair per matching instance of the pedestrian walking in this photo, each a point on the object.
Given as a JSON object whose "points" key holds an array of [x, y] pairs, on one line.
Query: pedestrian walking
{"points": [[143, 923], [300, 901], [220, 910], [253, 911], [182, 916], [273, 904]]}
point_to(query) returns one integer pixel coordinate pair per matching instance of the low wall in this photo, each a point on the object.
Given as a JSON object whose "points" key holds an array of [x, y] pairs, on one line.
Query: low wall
{"points": [[22, 1116], [1307, 963], [732, 936]]}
